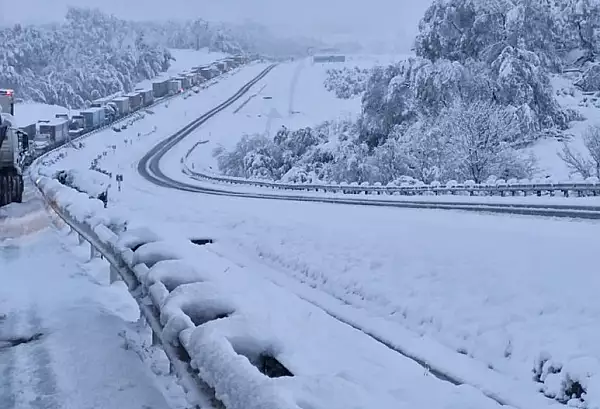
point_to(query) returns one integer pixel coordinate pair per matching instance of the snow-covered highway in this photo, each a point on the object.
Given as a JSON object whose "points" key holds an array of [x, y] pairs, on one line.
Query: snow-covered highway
{"points": [[480, 297], [67, 338]]}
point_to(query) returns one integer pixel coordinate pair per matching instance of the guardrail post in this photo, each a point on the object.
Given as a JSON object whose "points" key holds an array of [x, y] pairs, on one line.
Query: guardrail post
{"points": [[93, 252], [114, 275], [81, 239], [155, 339]]}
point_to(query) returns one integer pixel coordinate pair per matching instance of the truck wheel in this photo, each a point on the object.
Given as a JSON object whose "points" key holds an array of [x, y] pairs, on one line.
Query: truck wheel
{"points": [[4, 192], [16, 191], [20, 188]]}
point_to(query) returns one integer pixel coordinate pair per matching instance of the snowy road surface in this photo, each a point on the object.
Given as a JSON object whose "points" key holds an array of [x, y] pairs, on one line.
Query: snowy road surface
{"points": [[79, 357], [498, 289]]}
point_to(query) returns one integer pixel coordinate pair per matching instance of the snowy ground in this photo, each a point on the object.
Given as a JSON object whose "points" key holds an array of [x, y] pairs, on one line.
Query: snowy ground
{"points": [[82, 353], [498, 289]]}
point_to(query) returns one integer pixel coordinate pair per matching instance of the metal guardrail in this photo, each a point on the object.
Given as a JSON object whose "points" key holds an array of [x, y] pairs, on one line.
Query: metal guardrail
{"points": [[128, 266], [501, 188], [105, 245]]}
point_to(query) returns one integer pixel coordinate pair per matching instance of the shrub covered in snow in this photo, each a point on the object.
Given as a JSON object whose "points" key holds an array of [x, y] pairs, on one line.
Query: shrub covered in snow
{"points": [[465, 141], [590, 79], [93, 183], [347, 82], [574, 382]]}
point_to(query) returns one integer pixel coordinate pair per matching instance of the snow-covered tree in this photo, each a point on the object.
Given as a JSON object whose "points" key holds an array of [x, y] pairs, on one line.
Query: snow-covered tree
{"points": [[478, 135], [89, 55], [347, 82], [460, 30]]}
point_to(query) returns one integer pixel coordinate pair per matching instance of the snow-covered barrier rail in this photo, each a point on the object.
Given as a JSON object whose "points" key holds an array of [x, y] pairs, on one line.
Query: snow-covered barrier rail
{"points": [[175, 298], [499, 187], [588, 187], [238, 341]]}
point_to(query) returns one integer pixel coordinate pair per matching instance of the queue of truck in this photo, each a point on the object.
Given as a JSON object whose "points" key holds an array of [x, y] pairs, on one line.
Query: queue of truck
{"points": [[105, 111]]}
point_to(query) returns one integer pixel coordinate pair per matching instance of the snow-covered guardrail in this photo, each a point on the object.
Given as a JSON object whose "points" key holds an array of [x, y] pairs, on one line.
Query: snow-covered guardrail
{"points": [[525, 187], [184, 306], [237, 341], [501, 188]]}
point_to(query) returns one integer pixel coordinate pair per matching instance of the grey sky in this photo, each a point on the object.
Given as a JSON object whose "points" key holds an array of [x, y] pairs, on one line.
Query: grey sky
{"points": [[382, 19]]}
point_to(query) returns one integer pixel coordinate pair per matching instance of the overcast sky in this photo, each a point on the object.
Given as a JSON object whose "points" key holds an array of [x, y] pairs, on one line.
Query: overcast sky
{"points": [[385, 19]]}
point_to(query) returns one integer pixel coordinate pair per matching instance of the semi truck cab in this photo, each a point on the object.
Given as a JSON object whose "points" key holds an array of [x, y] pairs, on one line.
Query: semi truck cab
{"points": [[7, 101]]}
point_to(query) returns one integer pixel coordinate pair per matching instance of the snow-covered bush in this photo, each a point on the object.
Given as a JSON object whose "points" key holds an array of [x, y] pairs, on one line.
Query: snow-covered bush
{"points": [[590, 79], [94, 184], [574, 383], [465, 141], [347, 82], [262, 158]]}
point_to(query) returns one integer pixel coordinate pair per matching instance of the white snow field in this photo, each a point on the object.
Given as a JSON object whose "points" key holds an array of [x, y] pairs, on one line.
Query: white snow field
{"points": [[65, 333], [482, 297]]}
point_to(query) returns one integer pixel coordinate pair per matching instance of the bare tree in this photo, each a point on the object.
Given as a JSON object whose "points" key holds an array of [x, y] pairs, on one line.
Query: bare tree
{"points": [[591, 140], [585, 165]]}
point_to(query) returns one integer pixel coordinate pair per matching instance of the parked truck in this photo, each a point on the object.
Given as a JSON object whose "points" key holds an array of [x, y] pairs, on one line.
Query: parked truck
{"points": [[93, 118], [147, 97], [123, 106], [160, 88], [174, 87], [135, 100], [7, 101], [57, 130], [13, 146]]}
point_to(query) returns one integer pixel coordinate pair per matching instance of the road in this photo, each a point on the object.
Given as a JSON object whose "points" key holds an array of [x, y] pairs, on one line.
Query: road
{"points": [[495, 289], [66, 336], [453, 277]]}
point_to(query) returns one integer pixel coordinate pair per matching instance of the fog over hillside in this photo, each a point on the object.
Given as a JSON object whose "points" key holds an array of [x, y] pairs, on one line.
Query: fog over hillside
{"points": [[388, 21]]}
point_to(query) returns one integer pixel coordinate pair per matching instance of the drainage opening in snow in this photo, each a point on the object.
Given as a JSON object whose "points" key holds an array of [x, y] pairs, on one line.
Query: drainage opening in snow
{"points": [[137, 246], [573, 390], [16, 341], [264, 361], [202, 242], [200, 317], [271, 367]]}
